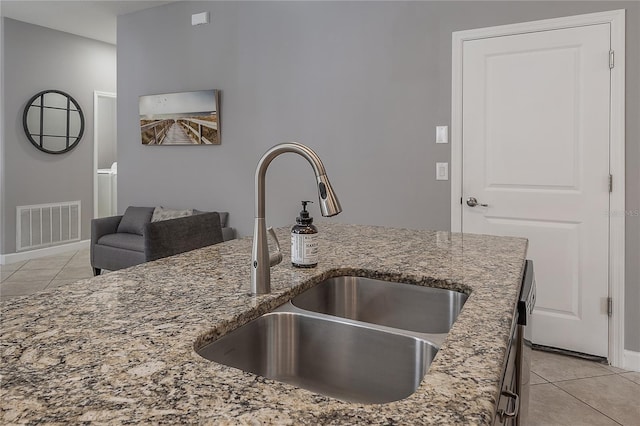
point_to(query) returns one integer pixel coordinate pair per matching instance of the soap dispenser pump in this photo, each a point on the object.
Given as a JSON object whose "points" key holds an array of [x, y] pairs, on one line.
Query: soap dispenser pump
{"points": [[304, 242]]}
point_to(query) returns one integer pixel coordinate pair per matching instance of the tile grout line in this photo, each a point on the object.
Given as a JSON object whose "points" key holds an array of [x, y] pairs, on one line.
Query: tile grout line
{"points": [[9, 276], [610, 373], [12, 272], [545, 380], [61, 269], [585, 403], [626, 378]]}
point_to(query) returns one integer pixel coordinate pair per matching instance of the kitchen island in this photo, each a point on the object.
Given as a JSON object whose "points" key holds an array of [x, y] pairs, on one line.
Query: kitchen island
{"points": [[119, 348]]}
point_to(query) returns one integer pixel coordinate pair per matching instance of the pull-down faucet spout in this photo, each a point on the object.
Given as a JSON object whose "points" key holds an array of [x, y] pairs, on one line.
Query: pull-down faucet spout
{"points": [[261, 261]]}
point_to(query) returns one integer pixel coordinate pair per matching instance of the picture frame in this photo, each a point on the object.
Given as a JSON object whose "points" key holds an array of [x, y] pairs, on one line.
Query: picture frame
{"points": [[183, 118]]}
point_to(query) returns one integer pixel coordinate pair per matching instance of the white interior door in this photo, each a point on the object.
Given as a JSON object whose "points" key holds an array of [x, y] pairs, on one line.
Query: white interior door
{"points": [[104, 154], [535, 149]]}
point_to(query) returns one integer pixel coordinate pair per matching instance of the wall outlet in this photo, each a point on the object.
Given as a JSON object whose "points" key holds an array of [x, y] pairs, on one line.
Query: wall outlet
{"points": [[442, 171], [442, 134]]}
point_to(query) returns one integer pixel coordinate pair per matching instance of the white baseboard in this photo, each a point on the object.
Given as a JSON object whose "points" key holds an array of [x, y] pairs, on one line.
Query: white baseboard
{"points": [[6, 259], [631, 360]]}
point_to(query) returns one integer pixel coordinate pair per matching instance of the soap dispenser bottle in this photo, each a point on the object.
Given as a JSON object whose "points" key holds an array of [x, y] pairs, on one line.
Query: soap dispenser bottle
{"points": [[304, 241]]}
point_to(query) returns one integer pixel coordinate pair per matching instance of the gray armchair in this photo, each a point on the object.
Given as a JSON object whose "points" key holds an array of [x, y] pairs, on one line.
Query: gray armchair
{"points": [[118, 242]]}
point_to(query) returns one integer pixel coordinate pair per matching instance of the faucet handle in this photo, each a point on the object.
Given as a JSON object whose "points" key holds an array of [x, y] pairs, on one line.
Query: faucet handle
{"points": [[276, 257]]}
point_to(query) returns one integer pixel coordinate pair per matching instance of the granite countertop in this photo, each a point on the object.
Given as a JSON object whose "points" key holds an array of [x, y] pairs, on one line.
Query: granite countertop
{"points": [[119, 348]]}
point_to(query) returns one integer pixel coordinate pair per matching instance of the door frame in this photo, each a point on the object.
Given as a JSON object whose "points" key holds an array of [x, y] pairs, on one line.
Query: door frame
{"points": [[616, 18], [96, 97]]}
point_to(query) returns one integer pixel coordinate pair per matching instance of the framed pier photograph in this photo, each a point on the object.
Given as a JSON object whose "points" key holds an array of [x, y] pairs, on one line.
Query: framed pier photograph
{"points": [[185, 118]]}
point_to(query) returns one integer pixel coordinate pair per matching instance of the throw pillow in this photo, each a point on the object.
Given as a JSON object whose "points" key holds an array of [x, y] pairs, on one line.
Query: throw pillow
{"points": [[134, 218], [160, 213]]}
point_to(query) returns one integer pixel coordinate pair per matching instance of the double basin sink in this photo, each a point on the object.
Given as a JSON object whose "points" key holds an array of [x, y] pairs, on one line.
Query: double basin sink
{"points": [[355, 339]]}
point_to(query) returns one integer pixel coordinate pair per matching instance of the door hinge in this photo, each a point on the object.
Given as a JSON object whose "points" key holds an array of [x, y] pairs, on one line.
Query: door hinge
{"points": [[610, 183], [611, 59], [609, 306]]}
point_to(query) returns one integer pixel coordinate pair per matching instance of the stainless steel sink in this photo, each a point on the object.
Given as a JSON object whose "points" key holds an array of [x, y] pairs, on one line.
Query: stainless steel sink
{"points": [[340, 359], [356, 339], [397, 305]]}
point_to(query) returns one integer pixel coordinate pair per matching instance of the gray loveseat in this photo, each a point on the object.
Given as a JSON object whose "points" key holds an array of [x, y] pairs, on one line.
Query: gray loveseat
{"points": [[118, 242]]}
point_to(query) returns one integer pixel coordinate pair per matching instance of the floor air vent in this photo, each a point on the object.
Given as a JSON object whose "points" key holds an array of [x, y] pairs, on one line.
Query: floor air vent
{"points": [[46, 225]]}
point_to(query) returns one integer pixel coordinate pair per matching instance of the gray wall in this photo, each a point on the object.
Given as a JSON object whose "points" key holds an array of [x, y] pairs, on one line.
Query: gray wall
{"points": [[35, 59], [363, 83]]}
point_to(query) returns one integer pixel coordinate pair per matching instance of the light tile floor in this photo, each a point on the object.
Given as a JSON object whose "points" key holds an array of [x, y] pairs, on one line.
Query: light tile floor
{"points": [[23, 278], [573, 391], [565, 391]]}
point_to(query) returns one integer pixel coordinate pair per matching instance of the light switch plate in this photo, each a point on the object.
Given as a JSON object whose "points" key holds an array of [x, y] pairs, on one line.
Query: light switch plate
{"points": [[200, 18], [442, 171], [442, 134]]}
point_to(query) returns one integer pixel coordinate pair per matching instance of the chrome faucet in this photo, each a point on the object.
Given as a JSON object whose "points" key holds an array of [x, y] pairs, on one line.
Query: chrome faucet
{"points": [[261, 261]]}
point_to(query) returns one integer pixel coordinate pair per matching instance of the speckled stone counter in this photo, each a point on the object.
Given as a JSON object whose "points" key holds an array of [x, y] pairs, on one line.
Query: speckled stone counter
{"points": [[119, 348]]}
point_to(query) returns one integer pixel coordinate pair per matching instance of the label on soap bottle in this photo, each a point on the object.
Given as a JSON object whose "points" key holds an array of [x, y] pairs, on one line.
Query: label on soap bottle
{"points": [[304, 249]]}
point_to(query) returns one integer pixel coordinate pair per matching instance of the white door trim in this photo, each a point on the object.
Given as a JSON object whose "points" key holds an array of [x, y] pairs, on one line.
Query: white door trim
{"points": [[96, 96], [616, 18]]}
